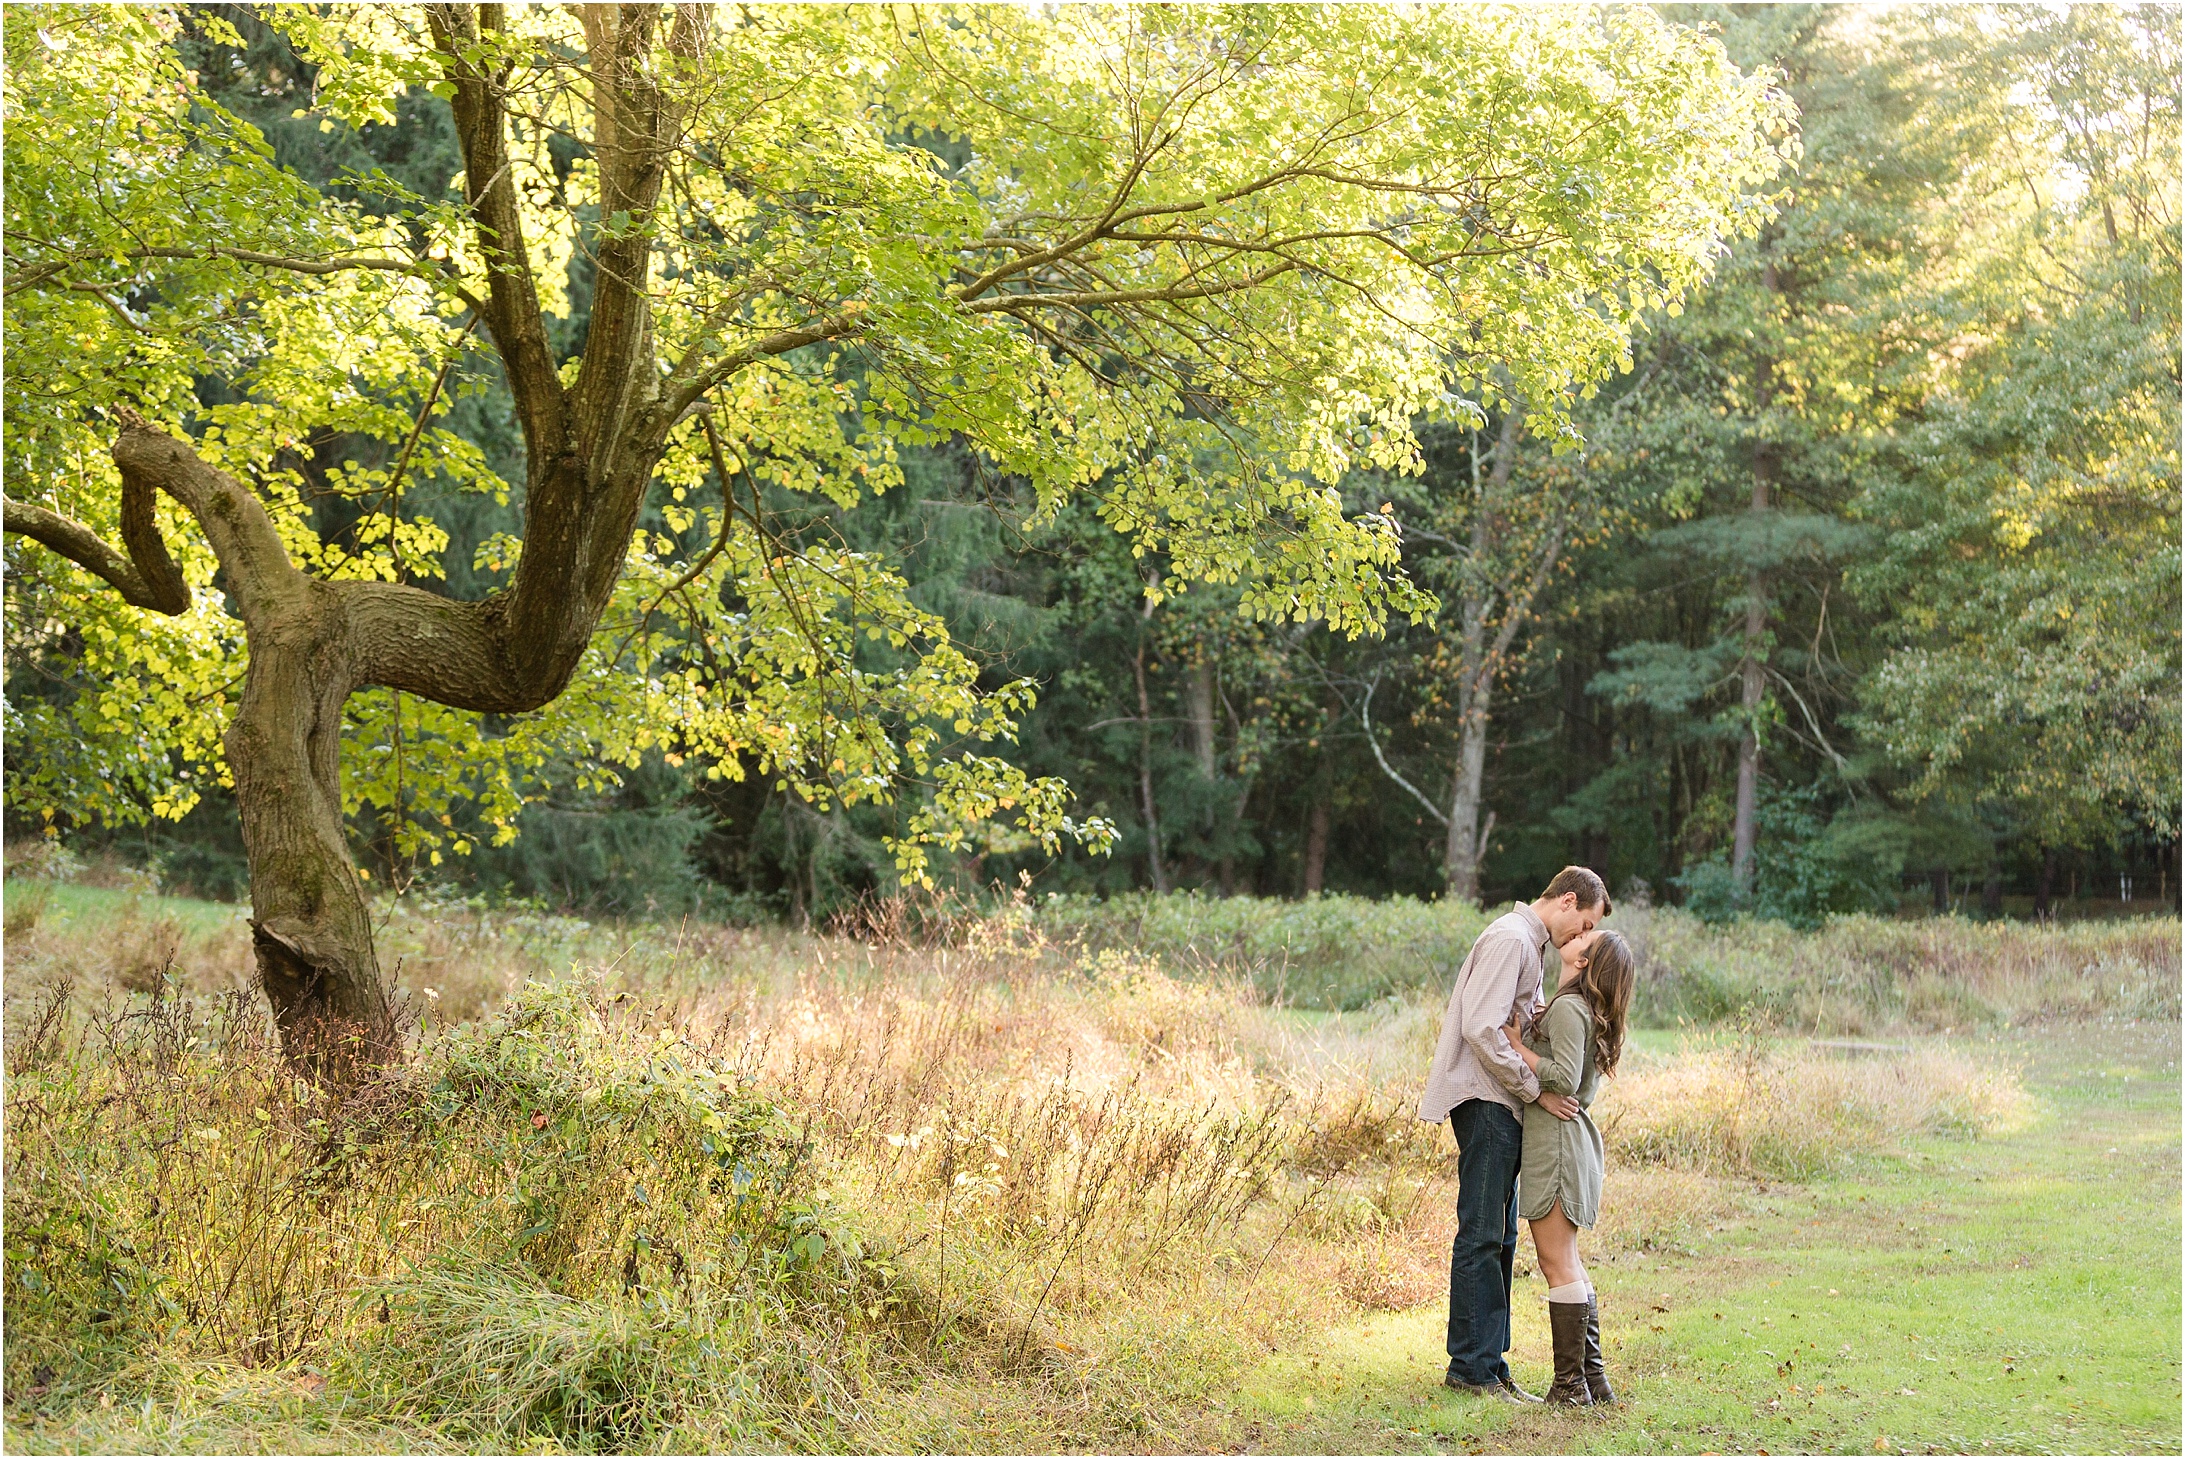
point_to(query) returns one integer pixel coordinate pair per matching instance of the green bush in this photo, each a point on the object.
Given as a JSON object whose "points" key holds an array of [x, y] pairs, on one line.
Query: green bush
{"points": [[1851, 974], [1861, 973], [554, 1224], [1322, 952]]}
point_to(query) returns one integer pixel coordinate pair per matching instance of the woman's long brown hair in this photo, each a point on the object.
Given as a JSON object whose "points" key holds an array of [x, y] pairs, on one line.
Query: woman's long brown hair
{"points": [[1605, 982]]}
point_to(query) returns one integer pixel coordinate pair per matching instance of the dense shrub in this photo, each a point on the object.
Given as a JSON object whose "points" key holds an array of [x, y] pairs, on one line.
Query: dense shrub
{"points": [[1322, 952], [1853, 974], [554, 1223], [1856, 974]]}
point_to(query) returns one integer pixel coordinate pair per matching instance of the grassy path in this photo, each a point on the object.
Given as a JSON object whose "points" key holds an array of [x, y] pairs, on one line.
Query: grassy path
{"points": [[2014, 1295]]}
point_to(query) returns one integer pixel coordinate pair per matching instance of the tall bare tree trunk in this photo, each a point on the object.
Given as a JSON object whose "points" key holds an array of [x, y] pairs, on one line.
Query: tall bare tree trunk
{"points": [[1752, 666], [1158, 871], [1200, 692], [2044, 892], [1316, 845], [1467, 840], [1480, 661], [1199, 706]]}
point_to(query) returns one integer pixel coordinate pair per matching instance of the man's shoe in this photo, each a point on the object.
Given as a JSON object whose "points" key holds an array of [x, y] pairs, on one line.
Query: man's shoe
{"points": [[1503, 1390], [1567, 1328], [1596, 1369]]}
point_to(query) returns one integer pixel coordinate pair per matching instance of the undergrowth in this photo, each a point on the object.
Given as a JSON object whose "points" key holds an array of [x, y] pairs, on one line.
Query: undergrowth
{"points": [[700, 1188]]}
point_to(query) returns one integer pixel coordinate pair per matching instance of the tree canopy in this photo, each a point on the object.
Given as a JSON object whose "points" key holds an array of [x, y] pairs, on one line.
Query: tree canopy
{"points": [[1184, 269], [1204, 436]]}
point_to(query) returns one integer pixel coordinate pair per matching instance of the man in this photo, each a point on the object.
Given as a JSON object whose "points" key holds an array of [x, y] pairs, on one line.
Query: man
{"points": [[1480, 1085]]}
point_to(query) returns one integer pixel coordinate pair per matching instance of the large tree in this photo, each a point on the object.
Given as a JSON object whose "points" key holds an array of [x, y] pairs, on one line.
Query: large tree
{"points": [[2031, 559], [1196, 263], [1953, 359]]}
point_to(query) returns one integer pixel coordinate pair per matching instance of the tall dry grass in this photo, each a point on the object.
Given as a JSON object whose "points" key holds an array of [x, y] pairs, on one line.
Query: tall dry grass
{"points": [[695, 1187], [1861, 975], [1751, 1105], [1857, 975]]}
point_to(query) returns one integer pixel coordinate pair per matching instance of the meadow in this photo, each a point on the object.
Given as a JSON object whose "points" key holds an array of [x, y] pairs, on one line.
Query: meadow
{"points": [[1136, 1175]]}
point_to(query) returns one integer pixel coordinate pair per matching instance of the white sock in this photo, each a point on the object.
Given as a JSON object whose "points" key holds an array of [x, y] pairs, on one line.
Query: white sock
{"points": [[1576, 1291]]}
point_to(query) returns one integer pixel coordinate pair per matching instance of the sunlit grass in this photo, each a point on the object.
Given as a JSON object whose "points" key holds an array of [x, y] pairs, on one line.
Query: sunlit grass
{"points": [[693, 1187]]}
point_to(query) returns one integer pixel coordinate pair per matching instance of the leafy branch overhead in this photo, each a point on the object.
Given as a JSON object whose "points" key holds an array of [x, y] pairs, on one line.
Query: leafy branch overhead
{"points": [[1193, 266]]}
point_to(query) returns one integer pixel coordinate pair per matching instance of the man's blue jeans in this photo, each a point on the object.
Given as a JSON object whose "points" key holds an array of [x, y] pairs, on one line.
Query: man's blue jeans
{"points": [[1482, 1259]]}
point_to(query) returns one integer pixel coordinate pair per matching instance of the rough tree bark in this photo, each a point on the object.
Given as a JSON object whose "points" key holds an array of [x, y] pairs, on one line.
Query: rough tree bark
{"points": [[1154, 865]]}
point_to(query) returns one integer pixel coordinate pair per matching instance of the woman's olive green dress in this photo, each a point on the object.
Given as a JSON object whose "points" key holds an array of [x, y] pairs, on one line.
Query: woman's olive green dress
{"points": [[1563, 1158]]}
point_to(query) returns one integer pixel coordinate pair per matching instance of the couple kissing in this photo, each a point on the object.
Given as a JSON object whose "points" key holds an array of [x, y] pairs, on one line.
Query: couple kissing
{"points": [[1534, 1021]]}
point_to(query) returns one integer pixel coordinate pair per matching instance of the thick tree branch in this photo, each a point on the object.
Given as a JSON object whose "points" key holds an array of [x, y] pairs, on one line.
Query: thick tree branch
{"points": [[511, 310], [148, 550], [452, 653], [235, 522], [637, 126], [403, 637], [84, 547]]}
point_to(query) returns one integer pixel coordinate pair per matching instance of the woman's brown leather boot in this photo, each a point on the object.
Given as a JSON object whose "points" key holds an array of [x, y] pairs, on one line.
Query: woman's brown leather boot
{"points": [[1567, 1327], [1596, 1370]]}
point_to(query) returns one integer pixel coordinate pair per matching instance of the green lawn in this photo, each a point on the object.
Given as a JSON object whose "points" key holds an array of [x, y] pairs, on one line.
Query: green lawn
{"points": [[2014, 1295], [71, 904]]}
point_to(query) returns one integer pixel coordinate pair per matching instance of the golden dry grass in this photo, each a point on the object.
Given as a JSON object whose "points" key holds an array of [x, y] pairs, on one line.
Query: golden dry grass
{"points": [[701, 1187]]}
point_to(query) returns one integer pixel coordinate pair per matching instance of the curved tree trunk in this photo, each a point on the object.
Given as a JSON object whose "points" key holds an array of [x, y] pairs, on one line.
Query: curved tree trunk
{"points": [[310, 927], [590, 448]]}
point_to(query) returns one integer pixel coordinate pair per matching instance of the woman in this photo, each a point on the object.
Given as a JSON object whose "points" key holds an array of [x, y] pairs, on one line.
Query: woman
{"points": [[1575, 1040]]}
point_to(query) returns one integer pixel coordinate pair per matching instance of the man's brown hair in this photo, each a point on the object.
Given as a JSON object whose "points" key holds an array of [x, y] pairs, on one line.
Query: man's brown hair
{"points": [[1587, 885]]}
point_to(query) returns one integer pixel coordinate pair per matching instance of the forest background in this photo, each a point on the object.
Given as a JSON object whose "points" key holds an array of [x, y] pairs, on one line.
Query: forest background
{"points": [[1863, 585]]}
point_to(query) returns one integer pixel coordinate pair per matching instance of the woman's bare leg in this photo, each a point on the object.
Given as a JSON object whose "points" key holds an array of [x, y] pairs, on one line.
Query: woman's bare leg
{"points": [[1556, 1241]]}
